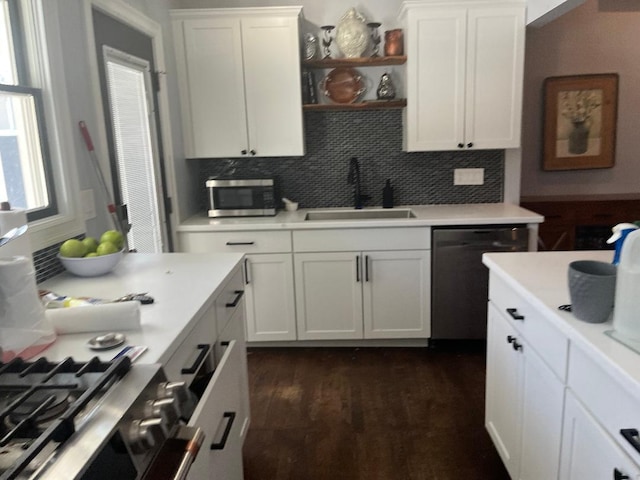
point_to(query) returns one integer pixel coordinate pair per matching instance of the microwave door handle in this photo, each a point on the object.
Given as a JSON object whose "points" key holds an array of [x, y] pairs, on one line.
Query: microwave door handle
{"points": [[189, 455]]}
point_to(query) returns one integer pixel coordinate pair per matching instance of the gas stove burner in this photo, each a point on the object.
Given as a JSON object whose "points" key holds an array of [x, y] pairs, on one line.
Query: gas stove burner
{"points": [[40, 407]]}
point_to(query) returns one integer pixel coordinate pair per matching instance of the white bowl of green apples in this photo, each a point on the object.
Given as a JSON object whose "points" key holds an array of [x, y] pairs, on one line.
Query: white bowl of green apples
{"points": [[90, 257]]}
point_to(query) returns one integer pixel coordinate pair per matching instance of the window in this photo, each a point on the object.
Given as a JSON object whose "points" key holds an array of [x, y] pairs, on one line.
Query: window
{"points": [[26, 178]]}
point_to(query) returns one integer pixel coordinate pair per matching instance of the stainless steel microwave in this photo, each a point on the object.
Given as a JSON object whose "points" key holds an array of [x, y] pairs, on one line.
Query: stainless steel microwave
{"points": [[241, 197]]}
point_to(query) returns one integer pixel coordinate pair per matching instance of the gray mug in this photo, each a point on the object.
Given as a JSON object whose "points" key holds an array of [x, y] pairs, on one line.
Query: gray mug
{"points": [[592, 287]]}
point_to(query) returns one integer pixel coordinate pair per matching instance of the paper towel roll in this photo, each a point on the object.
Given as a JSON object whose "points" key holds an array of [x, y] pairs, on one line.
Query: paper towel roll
{"points": [[20, 246], [24, 330], [95, 318]]}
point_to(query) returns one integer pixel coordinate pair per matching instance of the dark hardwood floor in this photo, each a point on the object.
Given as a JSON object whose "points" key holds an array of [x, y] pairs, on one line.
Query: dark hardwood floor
{"points": [[369, 413]]}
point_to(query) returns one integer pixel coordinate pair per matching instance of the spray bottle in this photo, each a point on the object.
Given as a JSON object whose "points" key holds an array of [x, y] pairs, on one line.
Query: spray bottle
{"points": [[620, 232]]}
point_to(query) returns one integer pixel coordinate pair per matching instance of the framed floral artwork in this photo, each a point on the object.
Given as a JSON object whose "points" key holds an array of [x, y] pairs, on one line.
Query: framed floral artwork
{"points": [[580, 122]]}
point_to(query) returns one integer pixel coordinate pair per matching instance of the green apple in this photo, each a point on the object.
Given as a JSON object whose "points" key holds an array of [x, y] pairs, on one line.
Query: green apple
{"points": [[113, 236], [91, 244], [73, 248], [105, 248], [91, 254]]}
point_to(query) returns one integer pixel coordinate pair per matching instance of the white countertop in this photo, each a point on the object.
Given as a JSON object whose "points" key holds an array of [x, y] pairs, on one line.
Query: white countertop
{"points": [[541, 278], [183, 285], [426, 215]]}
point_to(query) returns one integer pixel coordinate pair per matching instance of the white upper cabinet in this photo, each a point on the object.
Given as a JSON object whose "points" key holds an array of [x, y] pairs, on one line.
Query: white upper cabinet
{"points": [[464, 75], [239, 79]]}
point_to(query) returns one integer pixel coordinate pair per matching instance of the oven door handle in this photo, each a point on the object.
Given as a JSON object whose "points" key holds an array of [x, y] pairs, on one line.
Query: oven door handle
{"points": [[189, 455]]}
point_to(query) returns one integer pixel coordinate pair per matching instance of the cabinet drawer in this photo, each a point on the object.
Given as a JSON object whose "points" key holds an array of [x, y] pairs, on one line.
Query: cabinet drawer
{"points": [[197, 348], [548, 341], [229, 300], [350, 239], [608, 400], [241, 241], [217, 415]]}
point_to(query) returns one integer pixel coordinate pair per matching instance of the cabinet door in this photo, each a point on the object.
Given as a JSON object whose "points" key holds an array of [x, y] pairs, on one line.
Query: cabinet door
{"points": [[494, 76], [209, 56], [272, 85], [588, 452], [504, 392], [216, 415], [396, 294], [328, 295], [543, 402], [269, 292], [436, 45]]}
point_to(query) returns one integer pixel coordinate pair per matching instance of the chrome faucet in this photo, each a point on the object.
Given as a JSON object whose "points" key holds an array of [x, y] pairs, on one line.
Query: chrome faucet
{"points": [[353, 178]]}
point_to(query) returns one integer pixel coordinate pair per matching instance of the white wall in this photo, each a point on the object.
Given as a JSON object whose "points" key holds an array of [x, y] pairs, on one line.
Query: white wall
{"points": [[600, 36], [83, 105]]}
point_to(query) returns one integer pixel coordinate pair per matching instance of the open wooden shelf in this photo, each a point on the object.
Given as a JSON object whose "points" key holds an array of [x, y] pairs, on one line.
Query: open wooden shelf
{"points": [[365, 105], [355, 62]]}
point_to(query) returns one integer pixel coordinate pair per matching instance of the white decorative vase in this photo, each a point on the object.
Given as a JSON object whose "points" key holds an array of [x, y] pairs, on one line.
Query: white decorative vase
{"points": [[352, 34]]}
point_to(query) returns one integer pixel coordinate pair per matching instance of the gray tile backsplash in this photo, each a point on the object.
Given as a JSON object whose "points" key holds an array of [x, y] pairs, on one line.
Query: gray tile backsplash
{"points": [[319, 179]]}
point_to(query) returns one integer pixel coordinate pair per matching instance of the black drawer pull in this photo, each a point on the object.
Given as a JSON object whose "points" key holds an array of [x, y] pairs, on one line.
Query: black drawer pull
{"points": [[514, 314], [618, 475], [227, 430], [358, 268], [246, 271], [631, 436], [224, 343], [233, 304], [240, 243], [204, 349]]}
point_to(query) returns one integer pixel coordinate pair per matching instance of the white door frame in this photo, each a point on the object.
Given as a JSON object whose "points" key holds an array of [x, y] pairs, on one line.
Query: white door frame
{"points": [[128, 15]]}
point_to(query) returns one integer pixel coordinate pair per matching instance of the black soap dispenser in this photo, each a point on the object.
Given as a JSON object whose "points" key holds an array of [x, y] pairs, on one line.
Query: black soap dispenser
{"points": [[387, 195]]}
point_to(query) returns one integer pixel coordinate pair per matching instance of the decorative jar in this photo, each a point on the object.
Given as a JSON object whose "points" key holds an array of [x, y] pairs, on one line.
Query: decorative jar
{"points": [[352, 34]]}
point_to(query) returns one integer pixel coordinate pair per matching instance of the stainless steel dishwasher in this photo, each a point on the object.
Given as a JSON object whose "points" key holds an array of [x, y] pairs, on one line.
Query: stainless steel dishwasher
{"points": [[459, 280]]}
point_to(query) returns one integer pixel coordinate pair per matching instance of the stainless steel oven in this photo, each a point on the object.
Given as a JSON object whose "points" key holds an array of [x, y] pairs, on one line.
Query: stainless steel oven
{"points": [[94, 421], [241, 197]]}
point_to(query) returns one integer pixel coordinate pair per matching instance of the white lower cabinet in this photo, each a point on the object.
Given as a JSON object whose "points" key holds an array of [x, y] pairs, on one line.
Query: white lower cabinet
{"points": [[271, 313], [268, 272], [371, 294], [588, 451], [524, 402]]}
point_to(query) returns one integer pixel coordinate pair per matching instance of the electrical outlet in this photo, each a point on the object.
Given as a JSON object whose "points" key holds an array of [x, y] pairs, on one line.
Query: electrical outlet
{"points": [[468, 176], [88, 204]]}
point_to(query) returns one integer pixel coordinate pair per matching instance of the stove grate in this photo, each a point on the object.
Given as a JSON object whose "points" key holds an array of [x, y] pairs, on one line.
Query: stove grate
{"points": [[40, 376]]}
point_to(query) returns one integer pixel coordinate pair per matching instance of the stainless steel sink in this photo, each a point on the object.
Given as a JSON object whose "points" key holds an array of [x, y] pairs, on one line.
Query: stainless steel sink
{"points": [[367, 214]]}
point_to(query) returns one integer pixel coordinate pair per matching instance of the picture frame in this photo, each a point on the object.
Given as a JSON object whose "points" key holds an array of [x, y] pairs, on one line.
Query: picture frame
{"points": [[580, 114]]}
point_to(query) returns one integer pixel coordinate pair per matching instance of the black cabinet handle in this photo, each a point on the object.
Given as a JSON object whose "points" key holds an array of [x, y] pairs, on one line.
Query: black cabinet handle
{"points": [[243, 152], [516, 346], [358, 268], [246, 271], [510, 339], [233, 304], [461, 145], [224, 343], [514, 314], [618, 475], [227, 430], [240, 243], [366, 268], [204, 349], [631, 436], [470, 144], [252, 152]]}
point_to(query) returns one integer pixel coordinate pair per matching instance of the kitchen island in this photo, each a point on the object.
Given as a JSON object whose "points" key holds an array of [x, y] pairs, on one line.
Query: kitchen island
{"points": [[182, 285], [195, 329], [563, 397]]}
